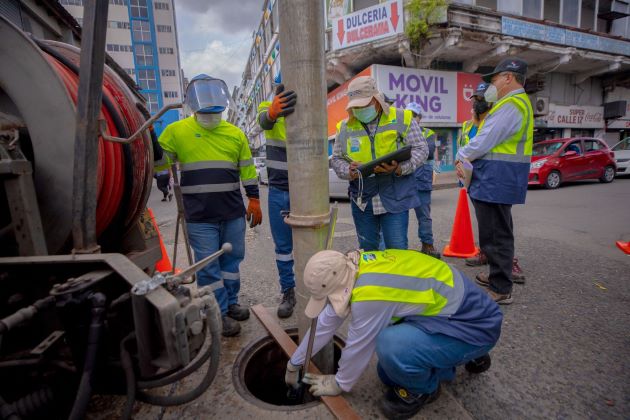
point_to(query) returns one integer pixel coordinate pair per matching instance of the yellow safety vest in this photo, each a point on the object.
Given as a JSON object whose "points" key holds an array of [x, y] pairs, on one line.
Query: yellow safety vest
{"points": [[464, 138], [407, 276], [518, 147], [392, 129], [276, 150]]}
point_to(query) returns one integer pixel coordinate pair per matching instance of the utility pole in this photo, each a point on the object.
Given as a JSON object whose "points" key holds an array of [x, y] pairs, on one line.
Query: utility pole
{"points": [[303, 69]]}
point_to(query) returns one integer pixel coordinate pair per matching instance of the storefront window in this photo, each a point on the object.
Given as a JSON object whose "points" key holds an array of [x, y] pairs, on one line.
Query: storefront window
{"points": [[541, 134], [445, 144]]}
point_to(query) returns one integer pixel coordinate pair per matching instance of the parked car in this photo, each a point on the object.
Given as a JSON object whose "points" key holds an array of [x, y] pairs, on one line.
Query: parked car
{"points": [[559, 160], [337, 187], [261, 170], [622, 156]]}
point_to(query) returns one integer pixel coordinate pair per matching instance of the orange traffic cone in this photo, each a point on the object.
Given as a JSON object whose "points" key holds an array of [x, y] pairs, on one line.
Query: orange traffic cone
{"points": [[624, 246], [164, 264], [462, 244]]}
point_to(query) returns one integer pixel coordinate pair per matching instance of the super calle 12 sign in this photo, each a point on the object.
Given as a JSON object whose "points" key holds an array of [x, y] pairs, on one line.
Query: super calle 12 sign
{"points": [[366, 25], [575, 116]]}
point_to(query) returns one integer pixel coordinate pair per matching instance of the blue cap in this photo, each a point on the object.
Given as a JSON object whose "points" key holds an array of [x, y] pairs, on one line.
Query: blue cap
{"points": [[211, 110], [511, 64], [481, 89]]}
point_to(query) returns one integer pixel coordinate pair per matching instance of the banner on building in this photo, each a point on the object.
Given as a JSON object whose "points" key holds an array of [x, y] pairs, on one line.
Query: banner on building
{"points": [[367, 25], [575, 116], [442, 95]]}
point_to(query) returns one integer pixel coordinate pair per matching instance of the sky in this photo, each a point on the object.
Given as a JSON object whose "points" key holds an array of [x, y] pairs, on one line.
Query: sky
{"points": [[215, 36]]}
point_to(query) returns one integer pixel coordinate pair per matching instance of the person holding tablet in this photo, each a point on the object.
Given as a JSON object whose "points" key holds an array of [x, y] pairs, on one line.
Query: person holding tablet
{"points": [[381, 200]]}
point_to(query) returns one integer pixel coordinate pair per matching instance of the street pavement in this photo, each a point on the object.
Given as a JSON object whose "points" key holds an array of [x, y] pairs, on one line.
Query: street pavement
{"points": [[564, 351]]}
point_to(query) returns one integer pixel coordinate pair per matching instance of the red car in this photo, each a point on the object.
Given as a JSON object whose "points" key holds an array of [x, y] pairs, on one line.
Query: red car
{"points": [[559, 160]]}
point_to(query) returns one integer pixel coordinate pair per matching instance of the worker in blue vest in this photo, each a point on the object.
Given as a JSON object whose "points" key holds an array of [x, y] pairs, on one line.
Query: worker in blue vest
{"points": [[215, 160], [424, 185], [500, 154], [421, 316], [382, 200], [271, 117], [480, 108]]}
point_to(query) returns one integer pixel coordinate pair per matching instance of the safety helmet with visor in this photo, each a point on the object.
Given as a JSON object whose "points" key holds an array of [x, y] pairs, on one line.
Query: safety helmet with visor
{"points": [[206, 95]]}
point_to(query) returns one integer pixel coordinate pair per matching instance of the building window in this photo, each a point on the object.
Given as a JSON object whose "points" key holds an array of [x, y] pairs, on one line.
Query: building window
{"points": [[130, 72], [139, 8], [117, 25], [166, 50], [164, 28], [166, 72], [146, 79], [533, 9], [152, 102], [571, 12], [159, 5], [141, 31], [362, 4], [144, 55], [170, 94], [119, 2], [490, 4], [118, 48], [72, 2], [514, 7]]}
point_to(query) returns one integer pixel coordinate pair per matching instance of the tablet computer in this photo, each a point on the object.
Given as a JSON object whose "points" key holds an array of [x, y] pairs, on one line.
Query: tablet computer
{"points": [[400, 155]]}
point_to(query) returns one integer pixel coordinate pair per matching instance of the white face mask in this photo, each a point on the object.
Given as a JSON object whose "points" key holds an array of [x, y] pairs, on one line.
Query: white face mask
{"points": [[208, 121], [491, 94]]}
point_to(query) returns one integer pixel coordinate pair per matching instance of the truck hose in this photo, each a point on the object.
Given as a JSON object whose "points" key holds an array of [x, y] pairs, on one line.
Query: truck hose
{"points": [[213, 352], [84, 392]]}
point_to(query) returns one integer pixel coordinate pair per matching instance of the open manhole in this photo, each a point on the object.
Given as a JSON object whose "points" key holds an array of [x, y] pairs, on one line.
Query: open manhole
{"points": [[258, 374]]}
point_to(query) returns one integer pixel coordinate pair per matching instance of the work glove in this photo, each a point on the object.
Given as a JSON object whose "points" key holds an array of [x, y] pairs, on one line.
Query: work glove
{"points": [[292, 375], [322, 384], [254, 213], [283, 103]]}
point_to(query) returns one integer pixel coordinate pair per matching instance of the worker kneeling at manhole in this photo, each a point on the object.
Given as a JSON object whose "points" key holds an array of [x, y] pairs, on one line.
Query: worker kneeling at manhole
{"points": [[422, 316]]}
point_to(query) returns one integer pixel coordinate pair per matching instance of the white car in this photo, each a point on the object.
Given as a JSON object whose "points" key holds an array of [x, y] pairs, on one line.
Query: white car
{"points": [[337, 187], [622, 156], [261, 170]]}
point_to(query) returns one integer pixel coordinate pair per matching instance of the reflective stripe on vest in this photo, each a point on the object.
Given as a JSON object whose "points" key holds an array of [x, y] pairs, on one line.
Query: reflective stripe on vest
{"points": [[391, 131], [518, 147], [409, 277]]}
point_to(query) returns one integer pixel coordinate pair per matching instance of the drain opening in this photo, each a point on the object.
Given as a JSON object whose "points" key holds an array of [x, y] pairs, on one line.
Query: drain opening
{"points": [[258, 374]]}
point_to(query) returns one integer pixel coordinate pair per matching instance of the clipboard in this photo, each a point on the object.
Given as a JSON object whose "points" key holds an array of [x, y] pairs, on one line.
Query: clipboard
{"points": [[400, 155]]}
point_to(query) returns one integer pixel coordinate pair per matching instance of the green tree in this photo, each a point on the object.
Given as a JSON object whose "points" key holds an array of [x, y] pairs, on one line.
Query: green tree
{"points": [[422, 14]]}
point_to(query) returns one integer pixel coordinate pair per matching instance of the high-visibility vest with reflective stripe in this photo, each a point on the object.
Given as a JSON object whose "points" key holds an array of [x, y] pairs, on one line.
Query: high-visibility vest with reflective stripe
{"points": [[407, 276], [276, 150], [501, 175], [424, 173], [397, 194], [464, 138], [163, 163], [213, 164]]}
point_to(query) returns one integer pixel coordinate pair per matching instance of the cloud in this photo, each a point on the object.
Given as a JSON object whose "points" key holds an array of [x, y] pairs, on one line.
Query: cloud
{"points": [[219, 60], [224, 15]]}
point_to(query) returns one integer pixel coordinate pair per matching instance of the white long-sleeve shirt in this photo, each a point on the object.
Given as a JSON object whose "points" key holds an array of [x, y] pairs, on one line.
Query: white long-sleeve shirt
{"points": [[368, 318]]}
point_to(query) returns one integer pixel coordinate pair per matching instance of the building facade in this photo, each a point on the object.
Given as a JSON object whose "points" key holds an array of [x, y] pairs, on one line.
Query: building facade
{"points": [[142, 39], [578, 53]]}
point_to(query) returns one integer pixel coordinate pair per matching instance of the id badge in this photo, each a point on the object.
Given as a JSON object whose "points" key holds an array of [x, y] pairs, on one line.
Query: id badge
{"points": [[355, 144]]}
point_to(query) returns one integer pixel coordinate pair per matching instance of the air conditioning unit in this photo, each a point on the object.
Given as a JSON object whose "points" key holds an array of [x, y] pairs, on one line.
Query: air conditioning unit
{"points": [[541, 105]]}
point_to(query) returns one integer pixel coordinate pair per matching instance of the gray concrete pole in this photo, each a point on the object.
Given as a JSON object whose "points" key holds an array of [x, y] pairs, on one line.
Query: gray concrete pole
{"points": [[302, 58]]}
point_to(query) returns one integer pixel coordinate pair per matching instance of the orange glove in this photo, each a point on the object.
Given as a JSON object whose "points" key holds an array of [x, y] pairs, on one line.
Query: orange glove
{"points": [[254, 213], [283, 103]]}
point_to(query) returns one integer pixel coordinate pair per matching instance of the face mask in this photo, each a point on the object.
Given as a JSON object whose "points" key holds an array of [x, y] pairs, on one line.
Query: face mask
{"points": [[208, 121], [365, 115], [480, 107], [491, 94]]}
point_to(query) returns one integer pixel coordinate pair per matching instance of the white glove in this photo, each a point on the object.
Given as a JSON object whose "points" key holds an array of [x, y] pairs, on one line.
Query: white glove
{"points": [[292, 375], [322, 384]]}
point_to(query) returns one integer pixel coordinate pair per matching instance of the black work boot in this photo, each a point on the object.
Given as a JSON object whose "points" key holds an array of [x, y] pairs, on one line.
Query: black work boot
{"points": [[400, 403], [235, 311], [285, 309], [231, 328], [478, 365]]}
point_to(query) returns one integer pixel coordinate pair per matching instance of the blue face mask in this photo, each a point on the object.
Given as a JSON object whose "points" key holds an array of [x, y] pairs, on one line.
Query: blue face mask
{"points": [[365, 115]]}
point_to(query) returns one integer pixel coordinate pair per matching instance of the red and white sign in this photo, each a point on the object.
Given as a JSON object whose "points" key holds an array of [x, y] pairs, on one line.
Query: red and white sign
{"points": [[575, 116], [370, 24], [466, 85]]}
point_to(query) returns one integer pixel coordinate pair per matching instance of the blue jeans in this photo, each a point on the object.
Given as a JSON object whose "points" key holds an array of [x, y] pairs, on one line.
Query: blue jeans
{"points": [[418, 361], [369, 226], [282, 236], [423, 214], [206, 239]]}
